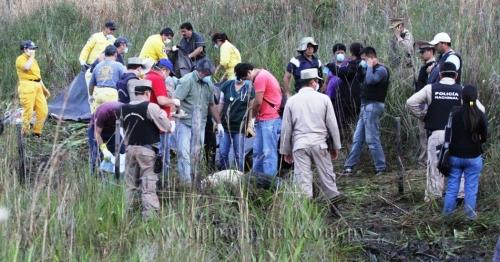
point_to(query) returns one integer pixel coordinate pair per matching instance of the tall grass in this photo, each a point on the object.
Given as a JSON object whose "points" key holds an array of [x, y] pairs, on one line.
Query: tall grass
{"points": [[64, 214]]}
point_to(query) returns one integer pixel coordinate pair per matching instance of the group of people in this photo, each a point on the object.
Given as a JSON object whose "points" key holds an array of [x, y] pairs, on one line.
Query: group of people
{"points": [[166, 100]]}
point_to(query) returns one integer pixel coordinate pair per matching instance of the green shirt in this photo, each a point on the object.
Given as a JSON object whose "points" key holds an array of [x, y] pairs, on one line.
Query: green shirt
{"points": [[194, 94]]}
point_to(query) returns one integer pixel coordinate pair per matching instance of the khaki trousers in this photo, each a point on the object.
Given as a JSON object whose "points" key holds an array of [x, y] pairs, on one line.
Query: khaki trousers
{"points": [[435, 180], [303, 175], [422, 139], [139, 176]]}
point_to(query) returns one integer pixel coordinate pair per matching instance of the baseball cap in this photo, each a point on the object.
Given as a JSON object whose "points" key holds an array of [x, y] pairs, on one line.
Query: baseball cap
{"points": [[440, 37], [165, 63], [28, 44], [121, 40], [111, 25]]}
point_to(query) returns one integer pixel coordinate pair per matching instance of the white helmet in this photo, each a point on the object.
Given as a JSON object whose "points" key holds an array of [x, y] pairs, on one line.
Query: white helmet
{"points": [[305, 41]]}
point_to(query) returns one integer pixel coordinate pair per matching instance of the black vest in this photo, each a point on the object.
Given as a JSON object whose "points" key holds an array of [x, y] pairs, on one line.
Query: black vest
{"points": [[423, 76], [138, 128], [434, 76], [376, 92], [444, 98]]}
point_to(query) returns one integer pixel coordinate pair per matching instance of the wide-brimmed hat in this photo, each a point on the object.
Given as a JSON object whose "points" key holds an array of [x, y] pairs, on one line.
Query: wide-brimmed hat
{"points": [[423, 45], [305, 41], [135, 61], [394, 22], [141, 86], [311, 73], [441, 37]]}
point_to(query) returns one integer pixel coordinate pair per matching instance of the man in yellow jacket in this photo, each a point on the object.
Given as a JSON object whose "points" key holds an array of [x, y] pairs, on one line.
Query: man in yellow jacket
{"points": [[154, 48], [96, 44], [32, 91]]}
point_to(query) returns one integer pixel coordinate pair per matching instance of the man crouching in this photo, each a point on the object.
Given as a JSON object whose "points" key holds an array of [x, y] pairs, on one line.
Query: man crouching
{"points": [[142, 121]]}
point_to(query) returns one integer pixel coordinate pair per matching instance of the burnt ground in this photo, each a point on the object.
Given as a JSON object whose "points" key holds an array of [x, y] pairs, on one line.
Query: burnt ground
{"points": [[389, 226]]}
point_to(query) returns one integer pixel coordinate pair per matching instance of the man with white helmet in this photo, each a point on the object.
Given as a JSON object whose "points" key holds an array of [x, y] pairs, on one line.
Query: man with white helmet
{"points": [[306, 60]]}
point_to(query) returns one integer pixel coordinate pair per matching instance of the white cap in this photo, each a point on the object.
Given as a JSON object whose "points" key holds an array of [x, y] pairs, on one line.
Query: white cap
{"points": [[440, 37], [311, 73]]}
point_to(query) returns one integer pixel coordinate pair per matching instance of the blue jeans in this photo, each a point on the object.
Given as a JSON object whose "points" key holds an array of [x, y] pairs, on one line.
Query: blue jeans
{"points": [[471, 169], [368, 130], [265, 147], [185, 148], [165, 152], [237, 139], [94, 153]]}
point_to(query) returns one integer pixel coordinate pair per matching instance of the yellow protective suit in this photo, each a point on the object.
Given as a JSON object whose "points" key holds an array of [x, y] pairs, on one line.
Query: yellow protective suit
{"points": [[32, 94]]}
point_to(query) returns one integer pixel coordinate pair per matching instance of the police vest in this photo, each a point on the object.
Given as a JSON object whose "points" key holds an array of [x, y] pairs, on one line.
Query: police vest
{"points": [[138, 128], [300, 63], [376, 92], [434, 76], [444, 98]]}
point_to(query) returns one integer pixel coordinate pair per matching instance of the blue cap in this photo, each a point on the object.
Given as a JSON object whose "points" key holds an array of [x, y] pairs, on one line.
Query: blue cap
{"points": [[165, 63], [28, 44]]}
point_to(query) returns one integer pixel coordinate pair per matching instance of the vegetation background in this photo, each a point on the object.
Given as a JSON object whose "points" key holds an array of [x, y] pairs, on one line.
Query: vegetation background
{"points": [[63, 214]]}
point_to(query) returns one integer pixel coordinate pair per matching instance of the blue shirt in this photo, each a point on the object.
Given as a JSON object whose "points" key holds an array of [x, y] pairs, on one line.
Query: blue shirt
{"points": [[107, 73], [189, 45], [299, 63]]}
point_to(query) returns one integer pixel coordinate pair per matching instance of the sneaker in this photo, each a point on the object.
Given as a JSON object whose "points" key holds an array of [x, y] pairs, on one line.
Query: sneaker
{"points": [[347, 170]]}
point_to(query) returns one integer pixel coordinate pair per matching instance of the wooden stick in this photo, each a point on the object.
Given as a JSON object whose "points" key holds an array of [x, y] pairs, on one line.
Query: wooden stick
{"points": [[399, 159], [117, 149]]}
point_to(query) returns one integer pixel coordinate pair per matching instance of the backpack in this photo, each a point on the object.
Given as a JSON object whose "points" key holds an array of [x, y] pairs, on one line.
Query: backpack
{"points": [[121, 87]]}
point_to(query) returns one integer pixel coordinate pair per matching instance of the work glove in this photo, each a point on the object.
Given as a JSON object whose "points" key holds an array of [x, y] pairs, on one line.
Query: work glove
{"points": [[172, 126], [220, 130], [85, 67], [91, 100], [251, 127], [107, 155], [176, 101], [175, 48]]}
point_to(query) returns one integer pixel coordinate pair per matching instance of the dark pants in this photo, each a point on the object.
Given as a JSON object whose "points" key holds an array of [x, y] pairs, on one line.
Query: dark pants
{"points": [[108, 138]]}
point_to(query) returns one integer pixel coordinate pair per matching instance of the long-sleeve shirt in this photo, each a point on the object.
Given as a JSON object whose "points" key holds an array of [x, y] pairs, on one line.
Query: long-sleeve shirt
{"points": [[153, 48], [229, 58], [417, 104], [402, 48], [462, 144], [308, 120], [94, 47], [30, 75], [374, 76]]}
